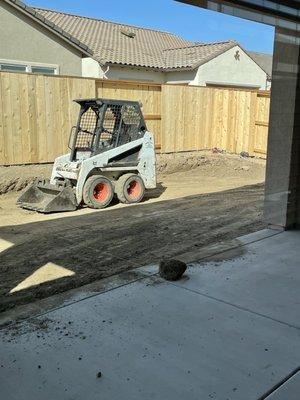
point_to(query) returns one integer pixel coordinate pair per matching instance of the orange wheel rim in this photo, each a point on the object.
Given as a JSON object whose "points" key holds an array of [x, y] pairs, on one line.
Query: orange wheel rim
{"points": [[134, 189], [101, 192]]}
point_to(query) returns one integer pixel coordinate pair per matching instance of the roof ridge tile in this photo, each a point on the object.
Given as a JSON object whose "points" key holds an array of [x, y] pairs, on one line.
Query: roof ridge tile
{"points": [[200, 44]]}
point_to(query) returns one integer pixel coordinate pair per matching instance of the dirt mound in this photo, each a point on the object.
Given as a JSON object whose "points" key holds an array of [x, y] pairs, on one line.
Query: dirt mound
{"points": [[177, 162], [221, 165], [15, 178]]}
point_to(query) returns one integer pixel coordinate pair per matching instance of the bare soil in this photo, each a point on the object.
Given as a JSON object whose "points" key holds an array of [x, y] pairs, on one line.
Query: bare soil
{"points": [[202, 198]]}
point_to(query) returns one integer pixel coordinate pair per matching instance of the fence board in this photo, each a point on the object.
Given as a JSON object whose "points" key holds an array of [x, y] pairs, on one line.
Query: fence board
{"points": [[7, 119], [2, 131], [261, 125], [37, 113]]}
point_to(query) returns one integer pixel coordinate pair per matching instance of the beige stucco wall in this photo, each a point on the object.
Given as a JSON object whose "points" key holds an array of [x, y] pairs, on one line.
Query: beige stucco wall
{"points": [[139, 74], [227, 70], [22, 39], [91, 68], [180, 76]]}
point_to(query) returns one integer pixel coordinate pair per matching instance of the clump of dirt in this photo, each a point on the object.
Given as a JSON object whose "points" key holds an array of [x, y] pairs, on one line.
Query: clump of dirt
{"points": [[172, 269]]}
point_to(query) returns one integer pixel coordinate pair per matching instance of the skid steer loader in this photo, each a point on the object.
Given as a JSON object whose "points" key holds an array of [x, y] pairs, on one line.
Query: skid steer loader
{"points": [[111, 153]]}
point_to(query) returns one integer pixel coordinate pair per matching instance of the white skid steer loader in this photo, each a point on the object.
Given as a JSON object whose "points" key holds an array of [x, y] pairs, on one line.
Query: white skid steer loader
{"points": [[112, 153]]}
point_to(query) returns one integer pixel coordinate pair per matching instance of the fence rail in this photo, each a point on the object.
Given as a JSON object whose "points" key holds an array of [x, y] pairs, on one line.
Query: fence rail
{"points": [[37, 113]]}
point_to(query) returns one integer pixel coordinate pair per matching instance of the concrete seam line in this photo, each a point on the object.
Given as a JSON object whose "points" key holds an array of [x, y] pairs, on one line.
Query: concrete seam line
{"points": [[71, 303], [248, 310], [278, 385]]}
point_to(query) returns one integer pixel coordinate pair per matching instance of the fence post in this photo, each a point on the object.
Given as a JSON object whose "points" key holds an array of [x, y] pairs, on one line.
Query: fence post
{"points": [[252, 127]]}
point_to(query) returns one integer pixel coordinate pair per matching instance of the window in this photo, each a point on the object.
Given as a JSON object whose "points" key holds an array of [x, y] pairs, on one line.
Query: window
{"points": [[43, 70], [12, 67], [31, 67]]}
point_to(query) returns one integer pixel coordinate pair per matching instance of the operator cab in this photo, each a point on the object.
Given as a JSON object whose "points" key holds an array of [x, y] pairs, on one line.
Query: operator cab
{"points": [[104, 124]]}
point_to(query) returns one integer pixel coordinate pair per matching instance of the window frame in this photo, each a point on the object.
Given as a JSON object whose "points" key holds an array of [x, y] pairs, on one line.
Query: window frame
{"points": [[28, 66]]}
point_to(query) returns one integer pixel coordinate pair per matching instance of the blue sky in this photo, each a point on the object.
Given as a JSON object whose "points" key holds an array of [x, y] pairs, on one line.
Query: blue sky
{"points": [[190, 22]]}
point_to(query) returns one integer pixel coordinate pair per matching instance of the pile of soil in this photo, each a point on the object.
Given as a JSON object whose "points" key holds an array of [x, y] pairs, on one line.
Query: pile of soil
{"points": [[177, 162], [16, 178]]}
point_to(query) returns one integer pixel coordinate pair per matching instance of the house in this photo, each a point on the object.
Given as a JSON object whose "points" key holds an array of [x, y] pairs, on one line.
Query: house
{"points": [[224, 64], [69, 44], [132, 53]]}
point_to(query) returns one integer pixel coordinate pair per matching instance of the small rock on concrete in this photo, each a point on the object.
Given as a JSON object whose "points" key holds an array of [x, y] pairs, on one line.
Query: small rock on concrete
{"points": [[172, 270]]}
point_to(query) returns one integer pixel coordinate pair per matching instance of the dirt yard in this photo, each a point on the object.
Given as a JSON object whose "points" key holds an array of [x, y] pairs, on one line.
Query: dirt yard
{"points": [[202, 198]]}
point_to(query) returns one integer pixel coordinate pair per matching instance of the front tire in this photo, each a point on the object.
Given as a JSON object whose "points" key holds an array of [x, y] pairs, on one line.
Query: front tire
{"points": [[130, 188], [98, 191]]}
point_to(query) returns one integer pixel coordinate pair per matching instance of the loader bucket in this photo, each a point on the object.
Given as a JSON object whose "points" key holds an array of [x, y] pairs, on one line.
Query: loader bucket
{"points": [[43, 197]]}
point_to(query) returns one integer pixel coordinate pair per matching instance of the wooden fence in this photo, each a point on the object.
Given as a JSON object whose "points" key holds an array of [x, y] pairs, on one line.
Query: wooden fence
{"points": [[37, 113], [149, 95], [195, 118]]}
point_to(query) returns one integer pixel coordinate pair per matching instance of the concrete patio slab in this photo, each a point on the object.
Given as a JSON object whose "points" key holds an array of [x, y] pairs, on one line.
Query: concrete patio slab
{"points": [[229, 330], [262, 277]]}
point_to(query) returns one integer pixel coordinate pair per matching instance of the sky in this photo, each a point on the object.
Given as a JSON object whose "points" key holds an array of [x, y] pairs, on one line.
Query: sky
{"points": [[192, 23]]}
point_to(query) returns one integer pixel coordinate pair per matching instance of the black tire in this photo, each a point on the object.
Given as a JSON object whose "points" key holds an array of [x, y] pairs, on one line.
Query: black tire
{"points": [[98, 191], [130, 188]]}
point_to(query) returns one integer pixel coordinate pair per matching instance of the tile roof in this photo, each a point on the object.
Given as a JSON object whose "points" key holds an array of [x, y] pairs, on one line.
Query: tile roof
{"points": [[116, 43], [195, 55], [111, 42], [50, 25]]}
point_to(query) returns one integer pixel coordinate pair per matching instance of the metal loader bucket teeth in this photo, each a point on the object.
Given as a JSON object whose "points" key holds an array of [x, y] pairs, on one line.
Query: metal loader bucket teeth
{"points": [[46, 198]]}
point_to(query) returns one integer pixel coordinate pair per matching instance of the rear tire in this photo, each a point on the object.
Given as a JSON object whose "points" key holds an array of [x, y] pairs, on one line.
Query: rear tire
{"points": [[130, 188], [98, 191]]}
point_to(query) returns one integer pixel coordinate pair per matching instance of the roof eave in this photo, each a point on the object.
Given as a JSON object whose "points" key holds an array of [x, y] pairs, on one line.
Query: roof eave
{"points": [[157, 69], [179, 69], [110, 63]]}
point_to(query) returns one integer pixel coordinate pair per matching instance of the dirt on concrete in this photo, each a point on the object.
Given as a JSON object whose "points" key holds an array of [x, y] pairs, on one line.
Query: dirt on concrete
{"points": [[201, 198]]}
